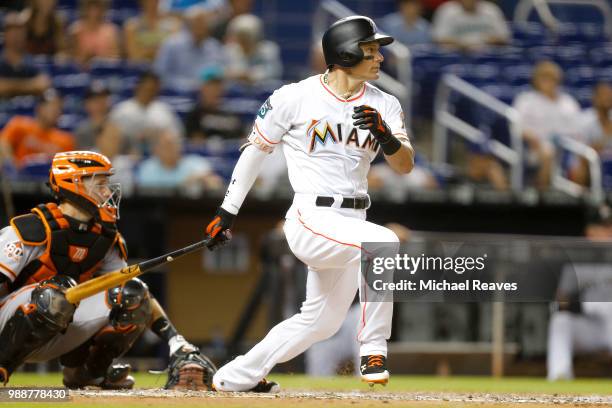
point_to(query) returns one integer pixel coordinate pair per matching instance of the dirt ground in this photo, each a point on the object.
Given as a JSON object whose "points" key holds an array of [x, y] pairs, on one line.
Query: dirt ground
{"points": [[154, 398]]}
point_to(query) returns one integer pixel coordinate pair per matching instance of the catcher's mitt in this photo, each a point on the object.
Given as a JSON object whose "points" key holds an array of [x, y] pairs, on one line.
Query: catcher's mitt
{"points": [[190, 370]]}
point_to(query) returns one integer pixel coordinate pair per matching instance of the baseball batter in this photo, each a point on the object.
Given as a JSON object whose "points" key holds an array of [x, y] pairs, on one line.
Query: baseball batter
{"points": [[54, 247], [329, 127]]}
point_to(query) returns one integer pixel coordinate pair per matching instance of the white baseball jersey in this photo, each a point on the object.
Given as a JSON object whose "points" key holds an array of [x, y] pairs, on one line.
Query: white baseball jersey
{"points": [[325, 153]]}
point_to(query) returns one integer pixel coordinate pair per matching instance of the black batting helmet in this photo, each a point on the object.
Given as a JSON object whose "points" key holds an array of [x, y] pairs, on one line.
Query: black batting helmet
{"points": [[341, 40]]}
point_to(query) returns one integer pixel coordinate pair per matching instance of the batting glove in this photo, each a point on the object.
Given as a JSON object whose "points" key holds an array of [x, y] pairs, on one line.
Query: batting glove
{"points": [[219, 229], [368, 118]]}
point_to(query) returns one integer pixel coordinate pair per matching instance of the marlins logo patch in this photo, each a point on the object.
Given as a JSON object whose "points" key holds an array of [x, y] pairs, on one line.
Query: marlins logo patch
{"points": [[265, 108], [320, 136]]}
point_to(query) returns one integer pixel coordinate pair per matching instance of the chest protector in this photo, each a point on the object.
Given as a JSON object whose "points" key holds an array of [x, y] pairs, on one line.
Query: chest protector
{"points": [[72, 248]]}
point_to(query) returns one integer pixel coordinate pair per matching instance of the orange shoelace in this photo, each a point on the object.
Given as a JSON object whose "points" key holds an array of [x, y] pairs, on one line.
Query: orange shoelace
{"points": [[375, 361]]}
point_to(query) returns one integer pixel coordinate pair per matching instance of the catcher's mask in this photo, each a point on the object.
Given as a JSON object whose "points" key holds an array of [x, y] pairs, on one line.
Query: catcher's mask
{"points": [[82, 178]]}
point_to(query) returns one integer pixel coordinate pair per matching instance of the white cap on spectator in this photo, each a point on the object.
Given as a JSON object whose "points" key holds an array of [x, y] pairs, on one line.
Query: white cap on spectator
{"points": [[246, 26]]}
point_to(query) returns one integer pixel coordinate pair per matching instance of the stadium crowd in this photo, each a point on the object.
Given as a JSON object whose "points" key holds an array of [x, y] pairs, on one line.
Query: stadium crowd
{"points": [[154, 86]]}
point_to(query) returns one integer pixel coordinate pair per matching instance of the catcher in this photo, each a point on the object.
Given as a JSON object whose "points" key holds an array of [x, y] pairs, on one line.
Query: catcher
{"points": [[54, 247]]}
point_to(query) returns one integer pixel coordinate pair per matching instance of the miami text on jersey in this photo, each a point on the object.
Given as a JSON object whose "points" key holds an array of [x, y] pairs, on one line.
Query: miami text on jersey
{"points": [[319, 135]]}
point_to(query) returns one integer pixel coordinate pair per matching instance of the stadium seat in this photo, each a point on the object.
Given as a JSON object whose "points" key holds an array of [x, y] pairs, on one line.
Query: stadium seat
{"points": [[602, 56], [590, 33], [64, 68], [500, 56], [606, 173], [529, 34], [593, 33], [69, 4], [72, 84], [581, 76], [518, 75], [35, 167], [476, 74], [21, 105], [604, 74], [566, 56], [102, 68], [577, 13]]}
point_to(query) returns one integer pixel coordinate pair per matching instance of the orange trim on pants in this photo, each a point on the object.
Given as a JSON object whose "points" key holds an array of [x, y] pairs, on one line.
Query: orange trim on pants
{"points": [[365, 300]]}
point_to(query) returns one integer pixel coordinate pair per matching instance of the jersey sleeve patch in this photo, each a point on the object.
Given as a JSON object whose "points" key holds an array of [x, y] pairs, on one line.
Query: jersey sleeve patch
{"points": [[265, 108], [13, 250], [259, 140]]}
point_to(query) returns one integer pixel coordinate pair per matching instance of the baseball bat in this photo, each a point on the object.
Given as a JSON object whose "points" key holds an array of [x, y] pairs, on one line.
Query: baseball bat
{"points": [[112, 279]]}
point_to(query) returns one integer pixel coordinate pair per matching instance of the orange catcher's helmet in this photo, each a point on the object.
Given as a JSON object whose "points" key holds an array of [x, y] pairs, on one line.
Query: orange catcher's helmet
{"points": [[82, 178]]}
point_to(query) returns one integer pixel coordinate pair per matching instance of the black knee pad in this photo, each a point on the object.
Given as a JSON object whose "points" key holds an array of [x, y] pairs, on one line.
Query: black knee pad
{"points": [[130, 304], [49, 307], [34, 324]]}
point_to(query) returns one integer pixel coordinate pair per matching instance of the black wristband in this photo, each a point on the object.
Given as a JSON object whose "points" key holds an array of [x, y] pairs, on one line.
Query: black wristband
{"points": [[390, 144], [164, 328]]}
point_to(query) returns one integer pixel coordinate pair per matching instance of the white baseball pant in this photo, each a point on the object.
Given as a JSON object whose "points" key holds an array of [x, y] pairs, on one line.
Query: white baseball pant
{"points": [[325, 357], [569, 334], [328, 240]]}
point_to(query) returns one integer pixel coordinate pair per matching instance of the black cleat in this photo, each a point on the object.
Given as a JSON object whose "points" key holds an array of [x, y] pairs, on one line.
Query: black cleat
{"points": [[267, 387], [374, 369]]}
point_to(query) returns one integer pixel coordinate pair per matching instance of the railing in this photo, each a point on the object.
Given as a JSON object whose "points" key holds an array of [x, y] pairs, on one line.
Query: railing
{"points": [[445, 120], [401, 86], [542, 7], [596, 193]]}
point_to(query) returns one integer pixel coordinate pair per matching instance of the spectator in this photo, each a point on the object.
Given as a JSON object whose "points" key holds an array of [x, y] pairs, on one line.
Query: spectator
{"points": [[45, 29], [168, 168], [208, 119], [145, 33], [24, 137], [109, 141], [250, 58], [407, 25], [92, 36], [183, 55], [144, 114], [470, 25], [596, 130], [233, 9], [546, 112], [18, 76], [97, 106]]}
